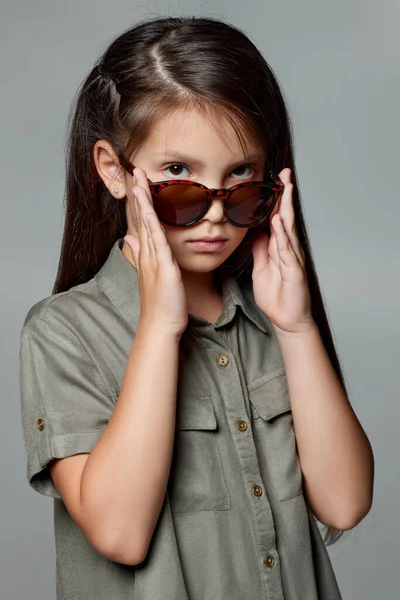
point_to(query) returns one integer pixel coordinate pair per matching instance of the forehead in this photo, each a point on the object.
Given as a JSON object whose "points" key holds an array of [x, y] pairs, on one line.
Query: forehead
{"points": [[200, 133]]}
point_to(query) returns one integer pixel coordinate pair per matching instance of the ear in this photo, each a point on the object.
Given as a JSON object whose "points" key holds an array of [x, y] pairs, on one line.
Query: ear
{"points": [[109, 168]]}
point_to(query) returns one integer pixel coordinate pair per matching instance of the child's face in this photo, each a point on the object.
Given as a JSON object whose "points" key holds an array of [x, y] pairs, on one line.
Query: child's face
{"points": [[185, 145]]}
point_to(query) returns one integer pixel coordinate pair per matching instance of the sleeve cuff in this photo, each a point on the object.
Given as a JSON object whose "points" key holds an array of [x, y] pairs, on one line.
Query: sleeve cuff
{"points": [[59, 446]]}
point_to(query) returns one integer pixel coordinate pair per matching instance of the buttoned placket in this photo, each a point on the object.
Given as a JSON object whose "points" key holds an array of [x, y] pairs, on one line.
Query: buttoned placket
{"points": [[221, 357]]}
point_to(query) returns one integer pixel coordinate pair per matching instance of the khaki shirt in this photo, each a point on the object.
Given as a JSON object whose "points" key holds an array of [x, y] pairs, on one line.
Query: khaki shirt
{"points": [[234, 523]]}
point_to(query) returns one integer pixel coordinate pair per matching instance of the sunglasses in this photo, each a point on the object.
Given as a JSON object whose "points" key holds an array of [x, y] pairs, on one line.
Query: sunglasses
{"points": [[180, 202]]}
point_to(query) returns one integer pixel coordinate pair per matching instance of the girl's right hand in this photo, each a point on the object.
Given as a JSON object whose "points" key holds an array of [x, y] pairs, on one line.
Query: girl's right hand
{"points": [[162, 293]]}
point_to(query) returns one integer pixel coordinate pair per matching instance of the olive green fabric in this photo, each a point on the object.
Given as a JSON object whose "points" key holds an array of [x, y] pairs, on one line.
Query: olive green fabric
{"points": [[235, 523]]}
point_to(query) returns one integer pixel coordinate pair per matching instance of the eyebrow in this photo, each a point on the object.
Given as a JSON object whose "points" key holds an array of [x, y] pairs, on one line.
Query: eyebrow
{"points": [[178, 156]]}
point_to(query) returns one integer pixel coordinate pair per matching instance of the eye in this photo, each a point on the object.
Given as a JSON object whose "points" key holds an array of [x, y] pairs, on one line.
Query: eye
{"points": [[248, 166], [176, 170]]}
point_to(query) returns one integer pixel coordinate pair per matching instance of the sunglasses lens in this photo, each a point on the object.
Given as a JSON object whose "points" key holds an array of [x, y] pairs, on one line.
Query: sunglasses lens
{"points": [[251, 204], [180, 204]]}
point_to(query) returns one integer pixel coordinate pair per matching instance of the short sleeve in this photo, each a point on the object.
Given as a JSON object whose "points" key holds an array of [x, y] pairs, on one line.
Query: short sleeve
{"points": [[65, 403]]}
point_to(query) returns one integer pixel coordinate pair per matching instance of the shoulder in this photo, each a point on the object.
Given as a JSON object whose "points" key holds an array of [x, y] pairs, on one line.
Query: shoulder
{"points": [[66, 310]]}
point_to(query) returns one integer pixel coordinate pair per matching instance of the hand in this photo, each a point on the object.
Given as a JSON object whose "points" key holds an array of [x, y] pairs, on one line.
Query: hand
{"points": [[279, 277], [162, 294]]}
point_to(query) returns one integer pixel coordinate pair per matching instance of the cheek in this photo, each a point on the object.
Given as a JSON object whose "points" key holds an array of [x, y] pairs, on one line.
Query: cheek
{"points": [[237, 235], [174, 240]]}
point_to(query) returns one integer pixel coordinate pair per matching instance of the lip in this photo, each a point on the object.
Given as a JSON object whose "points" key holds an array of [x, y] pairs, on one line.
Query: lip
{"points": [[207, 246], [209, 239]]}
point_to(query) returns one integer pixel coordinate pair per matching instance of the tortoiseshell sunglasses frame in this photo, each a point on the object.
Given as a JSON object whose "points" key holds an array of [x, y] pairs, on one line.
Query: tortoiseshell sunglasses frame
{"points": [[276, 186]]}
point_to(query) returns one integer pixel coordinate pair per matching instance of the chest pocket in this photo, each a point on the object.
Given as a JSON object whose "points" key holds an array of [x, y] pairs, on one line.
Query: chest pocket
{"points": [[273, 428], [197, 480]]}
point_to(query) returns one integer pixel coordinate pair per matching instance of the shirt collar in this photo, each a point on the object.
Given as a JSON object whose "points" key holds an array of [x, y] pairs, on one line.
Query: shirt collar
{"points": [[118, 280]]}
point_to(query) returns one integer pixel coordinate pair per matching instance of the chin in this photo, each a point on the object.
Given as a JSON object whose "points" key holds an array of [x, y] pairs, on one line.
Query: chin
{"points": [[203, 264]]}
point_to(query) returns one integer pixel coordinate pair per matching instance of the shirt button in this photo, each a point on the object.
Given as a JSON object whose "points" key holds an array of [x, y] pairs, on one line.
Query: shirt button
{"points": [[222, 360], [40, 424], [269, 560], [257, 490], [241, 425]]}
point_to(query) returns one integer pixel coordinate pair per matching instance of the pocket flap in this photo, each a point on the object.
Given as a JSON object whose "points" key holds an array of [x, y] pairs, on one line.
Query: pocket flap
{"points": [[270, 394], [195, 411]]}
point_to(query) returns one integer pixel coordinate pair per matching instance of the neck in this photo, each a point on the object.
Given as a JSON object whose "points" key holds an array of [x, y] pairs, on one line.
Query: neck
{"points": [[200, 284], [203, 295]]}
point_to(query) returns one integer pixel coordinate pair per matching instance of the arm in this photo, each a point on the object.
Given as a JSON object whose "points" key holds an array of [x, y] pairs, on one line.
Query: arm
{"points": [[118, 498], [334, 452]]}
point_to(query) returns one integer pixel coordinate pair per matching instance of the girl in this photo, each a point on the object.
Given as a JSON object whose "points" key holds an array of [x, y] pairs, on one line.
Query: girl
{"points": [[182, 400]]}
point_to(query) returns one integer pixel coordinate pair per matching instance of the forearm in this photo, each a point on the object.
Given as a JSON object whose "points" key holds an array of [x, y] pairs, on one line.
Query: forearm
{"points": [[124, 480], [334, 452]]}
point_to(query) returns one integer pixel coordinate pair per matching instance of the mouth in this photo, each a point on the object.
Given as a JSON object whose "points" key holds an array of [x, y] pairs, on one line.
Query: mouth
{"points": [[210, 239], [208, 245]]}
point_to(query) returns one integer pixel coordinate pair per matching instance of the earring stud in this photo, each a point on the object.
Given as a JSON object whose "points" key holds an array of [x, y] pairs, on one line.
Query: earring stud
{"points": [[116, 191]]}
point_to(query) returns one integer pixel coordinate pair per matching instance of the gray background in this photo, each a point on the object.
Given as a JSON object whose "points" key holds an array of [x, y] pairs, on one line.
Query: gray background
{"points": [[338, 64]]}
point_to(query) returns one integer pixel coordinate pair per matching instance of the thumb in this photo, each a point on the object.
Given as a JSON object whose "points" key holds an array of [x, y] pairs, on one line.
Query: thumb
{"points": [[133, 244], [260, 251]]}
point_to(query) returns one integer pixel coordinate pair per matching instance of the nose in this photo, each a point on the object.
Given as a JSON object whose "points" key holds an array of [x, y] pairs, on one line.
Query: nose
{"points": [[215, 213]]}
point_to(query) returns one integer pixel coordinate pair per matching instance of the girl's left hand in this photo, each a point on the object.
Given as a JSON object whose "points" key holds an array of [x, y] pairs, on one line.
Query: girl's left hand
{"points": [[279, 279]]}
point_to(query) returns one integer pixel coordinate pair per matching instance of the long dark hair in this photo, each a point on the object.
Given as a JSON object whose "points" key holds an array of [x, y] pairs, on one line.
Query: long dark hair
{"points": [[157, 65]]}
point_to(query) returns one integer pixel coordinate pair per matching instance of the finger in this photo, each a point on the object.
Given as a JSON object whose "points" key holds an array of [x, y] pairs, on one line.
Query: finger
{"points": [[141, 180], [148, 209], [133, 244], [146, 236], [285, 250], [260, 251], [287, 217], [141, 230], [142, 224], [156, 230], [135, 212], [286, 213], [272, 247], [132, 215], [143, 183], [294, 241], [135, 217], [162, 247], [286, 210]]}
